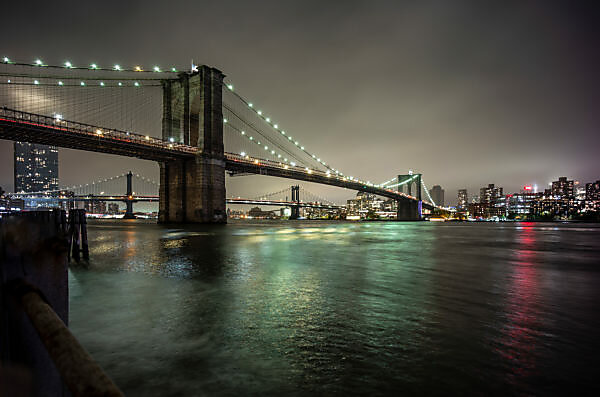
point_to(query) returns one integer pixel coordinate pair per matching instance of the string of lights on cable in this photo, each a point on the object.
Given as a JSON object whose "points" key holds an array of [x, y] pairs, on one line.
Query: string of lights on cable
{"points": [[92, 66], [281, 131]]}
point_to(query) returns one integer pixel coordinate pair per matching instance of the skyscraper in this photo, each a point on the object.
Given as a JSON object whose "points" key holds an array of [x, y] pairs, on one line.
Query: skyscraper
{"points": [[36, 167], [463, 199], [437, 194]]}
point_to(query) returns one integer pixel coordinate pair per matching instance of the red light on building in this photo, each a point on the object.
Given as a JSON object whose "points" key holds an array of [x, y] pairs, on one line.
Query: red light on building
{"points": [[527, 187]]}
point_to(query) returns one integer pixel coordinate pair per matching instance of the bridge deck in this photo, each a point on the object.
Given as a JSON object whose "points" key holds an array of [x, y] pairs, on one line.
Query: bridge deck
{"points": [[237, 163], [28, 127]]}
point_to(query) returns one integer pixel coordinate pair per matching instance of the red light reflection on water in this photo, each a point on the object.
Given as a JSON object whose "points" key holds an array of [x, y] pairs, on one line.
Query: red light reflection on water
{"points": [[520, 331]]}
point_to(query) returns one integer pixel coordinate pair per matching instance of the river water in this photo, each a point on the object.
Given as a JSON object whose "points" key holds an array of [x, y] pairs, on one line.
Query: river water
{"points": [[304, 308]]}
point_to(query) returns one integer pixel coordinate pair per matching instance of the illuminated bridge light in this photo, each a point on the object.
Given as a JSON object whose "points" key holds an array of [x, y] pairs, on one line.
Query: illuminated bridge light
{"points": [[60, 83], [275, 126], [102, 83], [243, 132], [268, 120], [136, 84], [39, 62], [36, 82], [230, 86], [173, 70], [259, 112], [250, 104], [6, 60], [68, 64], [171, 139], [120, 84], [156, 69], [117, 67], [138, 69], [93, 66], [82, 83], [242, 154]]}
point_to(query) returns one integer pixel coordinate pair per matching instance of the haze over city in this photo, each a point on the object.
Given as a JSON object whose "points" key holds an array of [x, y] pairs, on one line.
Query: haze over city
{"points": [[464, 92]]}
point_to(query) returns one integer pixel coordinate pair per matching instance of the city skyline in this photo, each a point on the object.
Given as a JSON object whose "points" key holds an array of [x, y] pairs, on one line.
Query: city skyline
{"points": [[503, 127]]}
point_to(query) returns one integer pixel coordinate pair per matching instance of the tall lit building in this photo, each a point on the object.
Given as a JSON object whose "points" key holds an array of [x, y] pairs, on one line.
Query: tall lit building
{"points": [[490, 194], [36, 167], [463, 199], [563, 188], [437, 194]]}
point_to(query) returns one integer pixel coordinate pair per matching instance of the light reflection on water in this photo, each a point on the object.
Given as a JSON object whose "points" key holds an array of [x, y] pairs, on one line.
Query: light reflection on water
{"points": [[340, 308]]}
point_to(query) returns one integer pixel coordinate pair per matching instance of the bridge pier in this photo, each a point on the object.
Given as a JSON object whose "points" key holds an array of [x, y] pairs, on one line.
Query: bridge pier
{"points": [[193, 191], [409, 210]]}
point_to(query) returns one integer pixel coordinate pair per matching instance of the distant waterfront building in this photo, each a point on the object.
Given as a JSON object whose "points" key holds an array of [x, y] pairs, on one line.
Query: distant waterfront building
{"points": [[521, 205], [95, 207], [35, 168], [490, 194], [437, 194], [563, 188], [592, 191], [463, 199]]}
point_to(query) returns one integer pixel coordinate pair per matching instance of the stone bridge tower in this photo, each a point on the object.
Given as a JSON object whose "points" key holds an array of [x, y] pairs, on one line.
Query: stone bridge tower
{"points": [[410, 210], [193, 191]]}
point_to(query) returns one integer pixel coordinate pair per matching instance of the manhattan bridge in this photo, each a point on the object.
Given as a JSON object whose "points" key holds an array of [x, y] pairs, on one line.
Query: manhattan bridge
{"points": [[206, 129]]}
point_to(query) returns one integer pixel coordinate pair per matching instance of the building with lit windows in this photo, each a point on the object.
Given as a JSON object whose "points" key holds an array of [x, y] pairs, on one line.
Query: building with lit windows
{"points": [[521, 205], [35, 167], [592, 191], [463, 199], [563, 188], [490, 194]]}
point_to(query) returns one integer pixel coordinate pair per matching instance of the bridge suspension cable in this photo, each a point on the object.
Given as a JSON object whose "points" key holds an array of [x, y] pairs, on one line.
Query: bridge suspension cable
{"points": [[317, 197], [427, 192], [118, 100], [38, 63], [280, 132]]}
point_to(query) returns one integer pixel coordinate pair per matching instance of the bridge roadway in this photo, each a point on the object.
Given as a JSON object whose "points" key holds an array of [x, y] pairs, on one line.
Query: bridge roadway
{"points": [[29, 127]]}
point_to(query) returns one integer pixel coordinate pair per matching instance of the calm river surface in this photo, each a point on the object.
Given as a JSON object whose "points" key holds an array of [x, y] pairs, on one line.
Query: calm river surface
{"points": [[304, 308]]}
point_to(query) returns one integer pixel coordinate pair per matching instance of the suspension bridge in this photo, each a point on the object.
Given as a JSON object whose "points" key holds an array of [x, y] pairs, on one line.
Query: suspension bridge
{"points": [[206, 129], [131, 188]]}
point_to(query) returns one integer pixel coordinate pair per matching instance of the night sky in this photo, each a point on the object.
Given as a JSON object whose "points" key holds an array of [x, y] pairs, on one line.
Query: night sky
{"points": [[468, 93]]}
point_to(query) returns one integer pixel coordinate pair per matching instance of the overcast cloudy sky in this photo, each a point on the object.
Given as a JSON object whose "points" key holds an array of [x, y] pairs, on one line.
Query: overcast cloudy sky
{"points": [[468, 93]]}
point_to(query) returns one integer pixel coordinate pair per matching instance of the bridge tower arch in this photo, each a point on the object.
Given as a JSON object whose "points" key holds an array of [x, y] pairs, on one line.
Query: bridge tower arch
{"points": [[410, 210], [193, 190]]}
